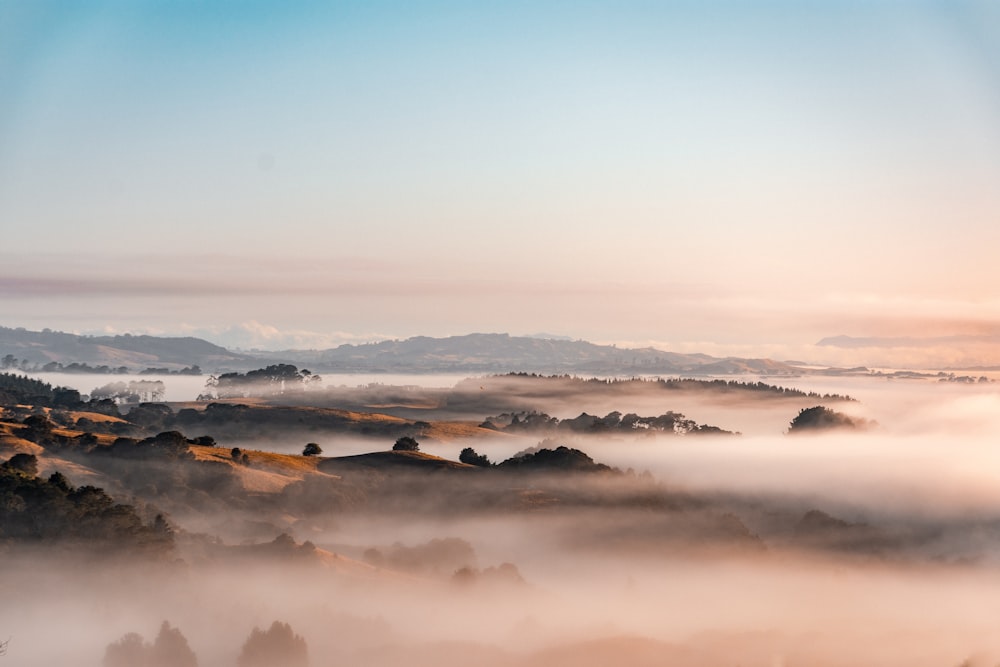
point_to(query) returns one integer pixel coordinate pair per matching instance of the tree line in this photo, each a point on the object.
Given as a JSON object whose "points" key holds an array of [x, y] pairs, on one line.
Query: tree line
{"points": [[273, 380]]}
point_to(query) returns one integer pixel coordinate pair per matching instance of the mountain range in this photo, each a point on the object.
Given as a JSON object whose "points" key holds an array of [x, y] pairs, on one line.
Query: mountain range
{"points": [[472, 353]]}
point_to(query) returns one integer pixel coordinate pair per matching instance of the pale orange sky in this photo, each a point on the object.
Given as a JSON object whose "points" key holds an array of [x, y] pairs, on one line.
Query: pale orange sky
{"points": [[735, 176]]}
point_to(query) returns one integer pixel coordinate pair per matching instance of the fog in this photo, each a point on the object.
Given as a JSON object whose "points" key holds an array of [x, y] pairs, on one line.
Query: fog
{"points": [[182, 388], [177, 387], [708, 561]]}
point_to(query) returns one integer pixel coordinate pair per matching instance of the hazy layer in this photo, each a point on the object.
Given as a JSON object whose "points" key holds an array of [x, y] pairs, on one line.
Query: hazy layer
{"points": [[631, 585]]}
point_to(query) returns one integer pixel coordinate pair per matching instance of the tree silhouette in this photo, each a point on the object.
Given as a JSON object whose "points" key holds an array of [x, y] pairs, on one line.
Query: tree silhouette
{"points": [[406, 444], [312, 449], [26, 463], [820, 418], [470, 457], [129, 651], [276, 647], [170, 649]]}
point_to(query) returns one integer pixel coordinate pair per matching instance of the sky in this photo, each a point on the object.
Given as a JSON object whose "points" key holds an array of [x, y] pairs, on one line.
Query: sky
{"points": [[725, 177]]}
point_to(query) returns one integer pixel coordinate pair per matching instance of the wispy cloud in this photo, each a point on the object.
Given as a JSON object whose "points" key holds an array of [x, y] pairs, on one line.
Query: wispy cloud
{"points": [[252, 335]]}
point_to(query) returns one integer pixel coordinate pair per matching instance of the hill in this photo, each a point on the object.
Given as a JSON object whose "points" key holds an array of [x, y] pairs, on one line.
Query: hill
{"points": [[36, 348], [490, 353], [392, 460]]}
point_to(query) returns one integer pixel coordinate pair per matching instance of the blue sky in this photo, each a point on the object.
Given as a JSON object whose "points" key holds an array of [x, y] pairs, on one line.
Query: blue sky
{"points": [[730, 173]]}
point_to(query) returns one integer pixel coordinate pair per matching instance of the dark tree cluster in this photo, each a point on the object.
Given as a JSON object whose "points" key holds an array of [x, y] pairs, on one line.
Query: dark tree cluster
{"points": [[406, 444], [10, 362], [23, 389], [187, 370], [270, 381], [680, 384], [36, 510], [22, 385], [472, 458], [164, 468], [820, 418], [561, 458], [537, 422], [151, 416], [168, 445], [76, 367]]}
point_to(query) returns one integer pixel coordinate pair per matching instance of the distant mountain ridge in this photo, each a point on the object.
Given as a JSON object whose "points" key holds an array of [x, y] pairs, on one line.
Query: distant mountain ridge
{"points": [[498, 352], [471, 353]]}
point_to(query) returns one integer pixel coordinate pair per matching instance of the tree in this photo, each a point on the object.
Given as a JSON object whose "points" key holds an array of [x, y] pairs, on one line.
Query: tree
{"points": [[406, 444], [26, 463], [270, 381], [168, 444], [129, 651], [38, 426], [277, 647], [59, 481], [171, 649], [470, 457], [65, 397], [312, 449], [820, 418]]}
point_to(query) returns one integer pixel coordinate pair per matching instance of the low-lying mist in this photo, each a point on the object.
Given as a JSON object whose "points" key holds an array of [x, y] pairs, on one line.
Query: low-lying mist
{"points": [[875, 547]]}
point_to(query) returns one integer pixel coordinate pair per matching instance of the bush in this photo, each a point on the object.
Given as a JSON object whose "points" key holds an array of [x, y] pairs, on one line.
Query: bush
{"points": [[312, 449]]}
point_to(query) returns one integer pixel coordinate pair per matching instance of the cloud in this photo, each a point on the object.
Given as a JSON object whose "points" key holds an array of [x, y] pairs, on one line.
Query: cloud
{"points": [[252, 335]]}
